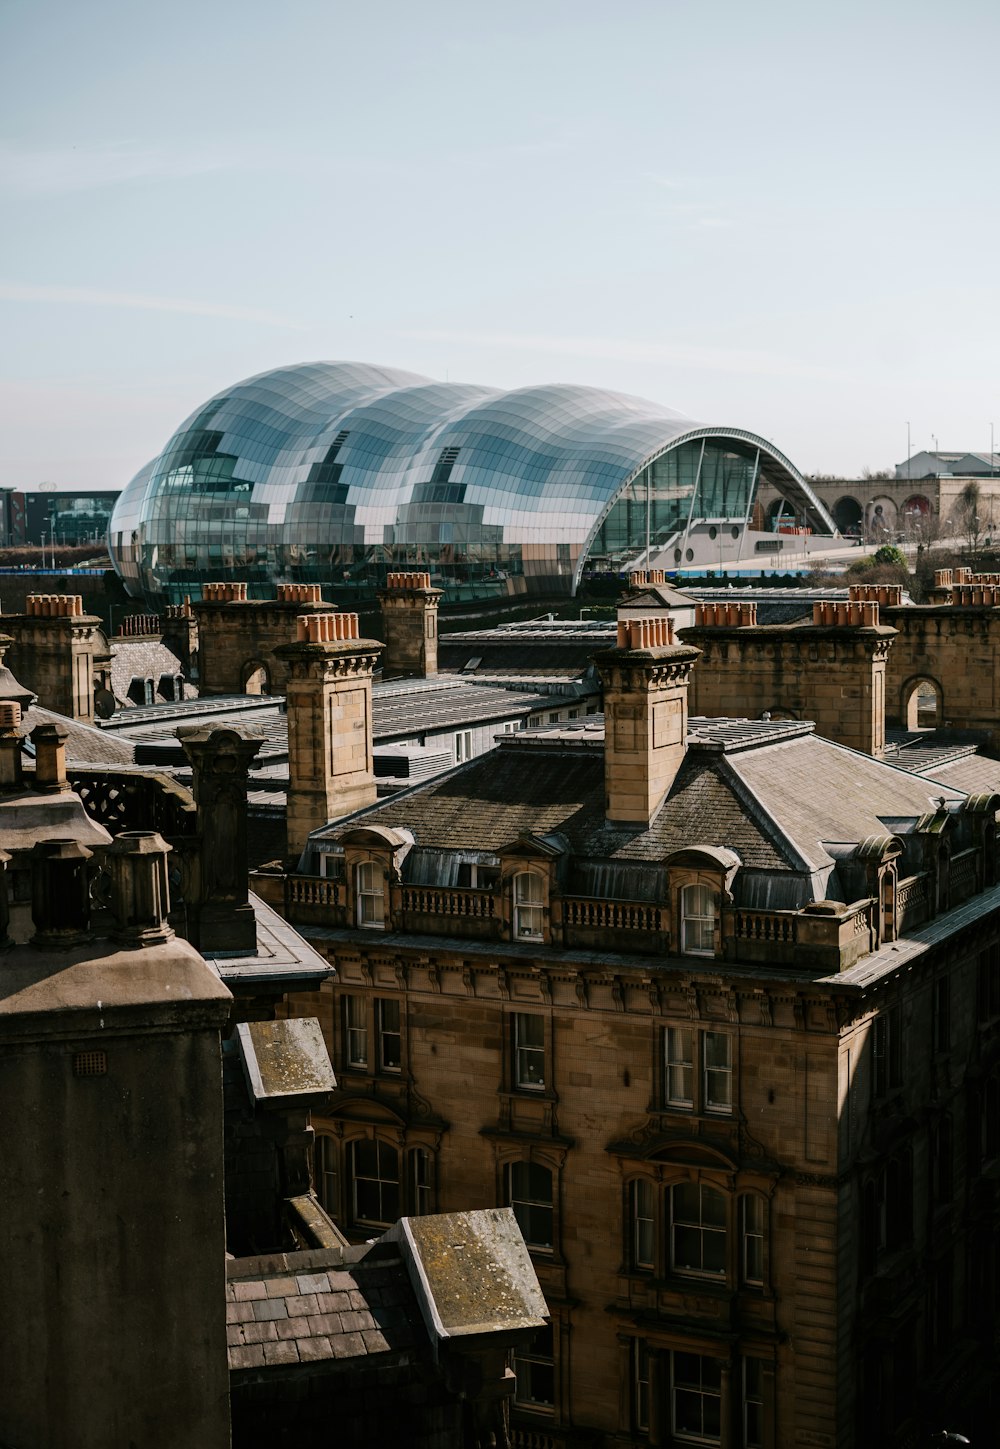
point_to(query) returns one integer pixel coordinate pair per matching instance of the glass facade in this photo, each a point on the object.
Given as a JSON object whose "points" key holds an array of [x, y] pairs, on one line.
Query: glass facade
{"points": [[338, 472]]}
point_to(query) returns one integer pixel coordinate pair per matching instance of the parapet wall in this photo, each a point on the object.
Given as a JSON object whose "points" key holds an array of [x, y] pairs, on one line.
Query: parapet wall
{"points": [[831, 671]]}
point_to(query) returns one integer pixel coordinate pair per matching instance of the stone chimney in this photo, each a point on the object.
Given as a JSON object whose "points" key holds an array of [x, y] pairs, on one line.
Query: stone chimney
{"points": [[179, 631], [410, 619], [220, 916], [11, 740], [60, 894], [329, 702], [140, 892], [645, 718], [238, 636], [49, 741], [57, 648]]}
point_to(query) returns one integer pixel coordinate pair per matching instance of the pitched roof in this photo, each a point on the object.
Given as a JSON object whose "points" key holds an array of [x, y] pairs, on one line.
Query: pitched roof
{"points": [[303, 1308], [772, 791], [85, 744]]}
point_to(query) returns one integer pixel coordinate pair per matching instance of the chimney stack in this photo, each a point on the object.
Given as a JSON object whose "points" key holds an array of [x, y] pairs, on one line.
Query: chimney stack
{"points": [[60, 894], [410, 620], [329, 703], [57, 647], [223, 918], [49, 741], [11, 740], [140, 896], [645, 717]]}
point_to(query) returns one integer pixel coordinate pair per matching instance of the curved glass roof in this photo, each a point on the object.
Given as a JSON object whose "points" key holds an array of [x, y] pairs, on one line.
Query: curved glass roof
{"points": [[340, 471]]}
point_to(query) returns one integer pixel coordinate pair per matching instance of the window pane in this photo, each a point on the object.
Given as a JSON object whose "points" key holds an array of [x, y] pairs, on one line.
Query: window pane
{"points": [[356, 1016], [642, 1225], [717, 1048], [529, 1051], [530, 1195], [389, 1039], [680, 1066]]}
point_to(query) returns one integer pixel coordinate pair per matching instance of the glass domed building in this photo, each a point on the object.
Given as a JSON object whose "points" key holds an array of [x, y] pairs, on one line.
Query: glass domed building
{"points": [[336, 472]]}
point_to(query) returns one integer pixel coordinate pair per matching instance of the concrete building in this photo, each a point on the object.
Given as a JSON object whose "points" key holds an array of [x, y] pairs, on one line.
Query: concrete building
{"points": [[710, 1004]]}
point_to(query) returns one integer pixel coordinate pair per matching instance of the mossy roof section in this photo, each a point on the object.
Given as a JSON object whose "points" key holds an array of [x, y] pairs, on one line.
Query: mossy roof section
{"points": [[488, 803]]}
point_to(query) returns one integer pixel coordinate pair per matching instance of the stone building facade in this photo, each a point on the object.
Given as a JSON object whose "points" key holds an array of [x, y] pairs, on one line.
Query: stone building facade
{"points": [[723, 1030]]}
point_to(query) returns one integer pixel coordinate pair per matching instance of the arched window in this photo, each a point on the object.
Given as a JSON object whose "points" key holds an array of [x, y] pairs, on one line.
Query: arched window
{"points": [[697, 1230], [529, 1193], [371, 895], [374, 1183], [699, 908], [529, 900]]}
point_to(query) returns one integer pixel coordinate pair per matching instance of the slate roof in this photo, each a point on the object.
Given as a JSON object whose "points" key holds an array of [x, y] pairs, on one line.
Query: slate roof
{"points": [[85, 744], [140, 659], [773, 791], [303, 1308], [974, 773], [545, 648], [400, 709]]}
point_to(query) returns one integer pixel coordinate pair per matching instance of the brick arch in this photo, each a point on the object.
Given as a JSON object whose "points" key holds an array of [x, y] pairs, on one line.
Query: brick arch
{"points": [[910, 711]]}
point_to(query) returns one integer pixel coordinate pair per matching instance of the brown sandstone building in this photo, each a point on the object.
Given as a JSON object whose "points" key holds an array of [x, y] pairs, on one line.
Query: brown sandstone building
{"points": [[714, 1005]]}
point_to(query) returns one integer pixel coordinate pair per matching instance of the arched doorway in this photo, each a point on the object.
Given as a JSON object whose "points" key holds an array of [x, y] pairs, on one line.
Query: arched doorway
{"points": [[881, 520], [848, 516], [256, 677], [923, 704]]}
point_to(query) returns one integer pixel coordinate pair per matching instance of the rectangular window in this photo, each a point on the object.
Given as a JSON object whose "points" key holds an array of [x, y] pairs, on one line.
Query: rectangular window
{"points": [[697, 1230], [886, 1052], [717, 1065], [701, 1060], [529, 1051], [356, 1030], [640, 1383], [942, 1014], [535, 1371], [695, 1399], [463, 746], [420, 1182], [389, 1036], [989, 983], [680, 1066], [753, 1404], [643, 1225], [375, 1175], [752, 1239], [529, 1193]]}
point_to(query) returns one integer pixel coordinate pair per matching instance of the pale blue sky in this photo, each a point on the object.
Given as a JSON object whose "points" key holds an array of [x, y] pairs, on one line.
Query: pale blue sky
{"points": [[780, 216]]}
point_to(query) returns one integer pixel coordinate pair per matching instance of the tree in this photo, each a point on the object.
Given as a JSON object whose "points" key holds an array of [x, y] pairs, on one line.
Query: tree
{"points": [[889, 554], [968, 518]]}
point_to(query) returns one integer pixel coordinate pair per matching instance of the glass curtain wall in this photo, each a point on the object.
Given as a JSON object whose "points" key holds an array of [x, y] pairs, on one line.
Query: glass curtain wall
{"points": [[710, 481]]}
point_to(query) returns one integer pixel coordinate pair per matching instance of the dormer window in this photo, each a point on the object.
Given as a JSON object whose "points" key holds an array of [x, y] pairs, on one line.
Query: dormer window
{"points": [[529, 900], [370, 888], [699, 910]]}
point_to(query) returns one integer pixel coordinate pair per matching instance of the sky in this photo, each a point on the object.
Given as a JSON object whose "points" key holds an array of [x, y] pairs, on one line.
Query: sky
{"points": [[779, 216]]}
